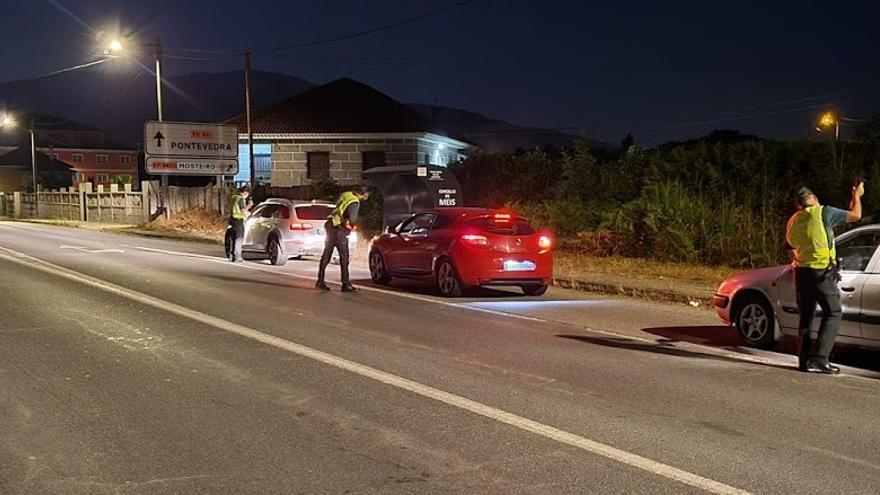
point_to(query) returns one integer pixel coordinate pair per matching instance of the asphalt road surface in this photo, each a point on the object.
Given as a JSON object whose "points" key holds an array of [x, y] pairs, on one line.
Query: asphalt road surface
{"points": [[139, 366]]}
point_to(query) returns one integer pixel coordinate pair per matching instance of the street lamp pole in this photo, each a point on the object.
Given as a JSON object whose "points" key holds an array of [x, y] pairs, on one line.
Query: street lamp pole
{"points": [[34, 168], [158, 56]]}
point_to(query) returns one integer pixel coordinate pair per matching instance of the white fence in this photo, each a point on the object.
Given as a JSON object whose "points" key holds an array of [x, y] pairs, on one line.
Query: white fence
{"points": [[123, 206]]}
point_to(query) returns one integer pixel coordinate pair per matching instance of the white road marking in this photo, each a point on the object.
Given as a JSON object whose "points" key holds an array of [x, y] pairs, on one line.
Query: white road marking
{"points": [[90, 250], [525, 424]]}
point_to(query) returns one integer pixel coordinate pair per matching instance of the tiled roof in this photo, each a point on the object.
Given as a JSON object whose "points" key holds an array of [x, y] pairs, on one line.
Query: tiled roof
{"points": [[342, 106], [21, 158]]}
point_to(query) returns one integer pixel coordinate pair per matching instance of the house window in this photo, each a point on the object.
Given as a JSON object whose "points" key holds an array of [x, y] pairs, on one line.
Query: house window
{"points": [[372, 159], [102, 178], [79, 177], [318, 165], [263, 168], [102, 158], [77, 158], [55, 155], [125, 159]]}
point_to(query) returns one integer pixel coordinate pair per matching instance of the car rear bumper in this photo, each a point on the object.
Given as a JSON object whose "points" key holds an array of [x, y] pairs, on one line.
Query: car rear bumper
{"points": [[310, 246], [489, 272]]}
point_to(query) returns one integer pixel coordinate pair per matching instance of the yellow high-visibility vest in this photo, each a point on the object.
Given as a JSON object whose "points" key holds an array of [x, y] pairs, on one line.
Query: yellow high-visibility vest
{"points": [[235, 210], [806, 233], [345, 200]]}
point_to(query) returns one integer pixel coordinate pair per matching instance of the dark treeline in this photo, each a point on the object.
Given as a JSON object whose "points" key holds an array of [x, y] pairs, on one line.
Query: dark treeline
{"points": [[722, 199]]}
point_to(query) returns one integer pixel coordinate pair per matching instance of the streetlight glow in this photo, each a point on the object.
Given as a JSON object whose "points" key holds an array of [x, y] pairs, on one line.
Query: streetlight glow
{"points": [[827, 119], [115, 46], [7, 121]]}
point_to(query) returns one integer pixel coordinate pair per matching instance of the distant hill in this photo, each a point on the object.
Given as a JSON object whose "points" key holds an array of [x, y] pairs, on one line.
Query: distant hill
{"points": [[493, 135], [119, 103]]}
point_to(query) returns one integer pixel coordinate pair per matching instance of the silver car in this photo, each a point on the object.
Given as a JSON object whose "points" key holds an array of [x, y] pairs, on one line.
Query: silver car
{"points": [[282, 229], [762, 304]]}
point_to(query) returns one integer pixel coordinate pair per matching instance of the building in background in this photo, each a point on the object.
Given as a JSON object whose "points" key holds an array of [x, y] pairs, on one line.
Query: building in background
{"points": [[16, 171], [91, 156], [336, 132]]}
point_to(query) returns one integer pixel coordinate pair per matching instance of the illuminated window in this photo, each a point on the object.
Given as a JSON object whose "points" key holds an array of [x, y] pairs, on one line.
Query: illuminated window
{"points": [[79, 177], [318, 165]]}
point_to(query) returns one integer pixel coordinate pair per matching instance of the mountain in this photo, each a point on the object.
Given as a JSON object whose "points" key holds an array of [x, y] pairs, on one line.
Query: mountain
{"points": [[493, 135], [119, 103]]}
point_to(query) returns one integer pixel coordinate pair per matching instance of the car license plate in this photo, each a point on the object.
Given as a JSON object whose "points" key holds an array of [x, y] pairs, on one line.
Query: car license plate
{"points": [[519, 266]]}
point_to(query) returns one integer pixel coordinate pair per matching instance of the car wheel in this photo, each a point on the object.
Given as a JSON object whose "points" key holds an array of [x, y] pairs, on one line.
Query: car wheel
{"points": [[755, 322], [447, 280], [378, 271], [228, 241], [276, 255], [534, 290]]}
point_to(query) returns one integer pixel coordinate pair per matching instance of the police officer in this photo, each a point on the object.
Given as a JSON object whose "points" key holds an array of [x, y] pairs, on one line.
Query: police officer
{"points": [[810, 232], [239, 206], [338, 227]]}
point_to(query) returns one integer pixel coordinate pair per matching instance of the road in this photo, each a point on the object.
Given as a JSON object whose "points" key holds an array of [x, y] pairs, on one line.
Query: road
{"points": [[135, 365]]}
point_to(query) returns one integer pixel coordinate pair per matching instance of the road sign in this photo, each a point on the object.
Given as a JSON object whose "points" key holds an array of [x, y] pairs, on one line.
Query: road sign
{"points": [[159, 165], [189, 140]]}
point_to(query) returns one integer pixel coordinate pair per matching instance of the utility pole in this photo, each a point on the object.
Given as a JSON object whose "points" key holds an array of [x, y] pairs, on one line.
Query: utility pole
{"points": [[163, 178], [247, 106], [34, 169]]}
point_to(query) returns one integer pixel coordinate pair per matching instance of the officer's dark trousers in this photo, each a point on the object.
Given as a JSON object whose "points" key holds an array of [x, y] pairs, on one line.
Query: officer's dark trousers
{"points": [[238, 229], [336, 238], [817, 286]]}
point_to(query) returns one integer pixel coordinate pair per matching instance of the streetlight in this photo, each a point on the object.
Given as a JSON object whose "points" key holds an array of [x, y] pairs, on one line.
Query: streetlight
{"points": [[827, 120], [8, 122]]}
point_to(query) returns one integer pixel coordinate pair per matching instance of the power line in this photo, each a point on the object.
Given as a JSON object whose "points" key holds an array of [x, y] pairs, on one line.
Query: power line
{"points": [[68, 69]]}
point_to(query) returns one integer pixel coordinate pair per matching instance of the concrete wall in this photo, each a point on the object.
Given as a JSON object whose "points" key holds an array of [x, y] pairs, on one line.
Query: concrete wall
{"points": [[289, 158]]}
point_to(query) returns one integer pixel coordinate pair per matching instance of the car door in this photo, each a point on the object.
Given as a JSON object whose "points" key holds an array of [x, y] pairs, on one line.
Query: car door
{"points": [[408, 243], [396, 244], [262, 225], [858, 255], [250, 223]]}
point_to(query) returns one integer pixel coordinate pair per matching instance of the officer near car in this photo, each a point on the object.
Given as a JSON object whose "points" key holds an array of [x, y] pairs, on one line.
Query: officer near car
{"points": [[343, 219], [239, 206], [810, 232]]}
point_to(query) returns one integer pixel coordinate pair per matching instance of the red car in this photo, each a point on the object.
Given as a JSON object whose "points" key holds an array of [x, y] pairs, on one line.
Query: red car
{"points": [[462, 248]]}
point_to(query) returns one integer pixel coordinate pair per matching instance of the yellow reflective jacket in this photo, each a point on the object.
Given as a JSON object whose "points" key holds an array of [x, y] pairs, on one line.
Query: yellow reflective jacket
{"points": [[235, 210], [806, 233], [345, 200]]}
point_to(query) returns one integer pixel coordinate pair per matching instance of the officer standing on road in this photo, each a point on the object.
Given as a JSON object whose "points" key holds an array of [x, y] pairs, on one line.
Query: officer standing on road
{"points": [[338, 227], [810, 232], [239, 205]]}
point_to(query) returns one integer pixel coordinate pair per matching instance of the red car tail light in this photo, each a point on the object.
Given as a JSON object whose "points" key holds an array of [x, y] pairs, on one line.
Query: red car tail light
{"points": [[475, 240], [545, 242], [301, 226], [502, 217]]}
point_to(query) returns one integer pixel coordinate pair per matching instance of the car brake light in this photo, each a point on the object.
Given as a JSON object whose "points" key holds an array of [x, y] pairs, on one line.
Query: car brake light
{"points": [[475, 240], [301, 226], [502, 217], [545, 242]]}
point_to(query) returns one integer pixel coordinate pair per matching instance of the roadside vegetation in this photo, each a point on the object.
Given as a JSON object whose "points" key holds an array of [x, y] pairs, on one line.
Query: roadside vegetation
{"points": [[718, 201]]}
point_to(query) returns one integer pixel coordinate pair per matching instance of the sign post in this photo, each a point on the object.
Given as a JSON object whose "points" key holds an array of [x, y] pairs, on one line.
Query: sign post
{"points": [[183, 148]]}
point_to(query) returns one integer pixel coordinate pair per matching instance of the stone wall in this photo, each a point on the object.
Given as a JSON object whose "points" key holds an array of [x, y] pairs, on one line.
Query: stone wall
{"points": [[289, 158]]}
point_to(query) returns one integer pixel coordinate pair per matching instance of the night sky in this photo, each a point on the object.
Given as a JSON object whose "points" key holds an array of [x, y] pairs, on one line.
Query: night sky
{"points": [[662, 70]]}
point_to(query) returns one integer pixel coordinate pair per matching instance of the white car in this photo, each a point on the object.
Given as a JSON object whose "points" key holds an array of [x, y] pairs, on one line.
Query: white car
{"points": [[762, 304], [281, 229]]}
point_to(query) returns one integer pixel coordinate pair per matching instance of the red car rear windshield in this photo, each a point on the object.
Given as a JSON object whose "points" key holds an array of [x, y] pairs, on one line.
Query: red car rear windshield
{"points": [[513, 226], [313, 212]]}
